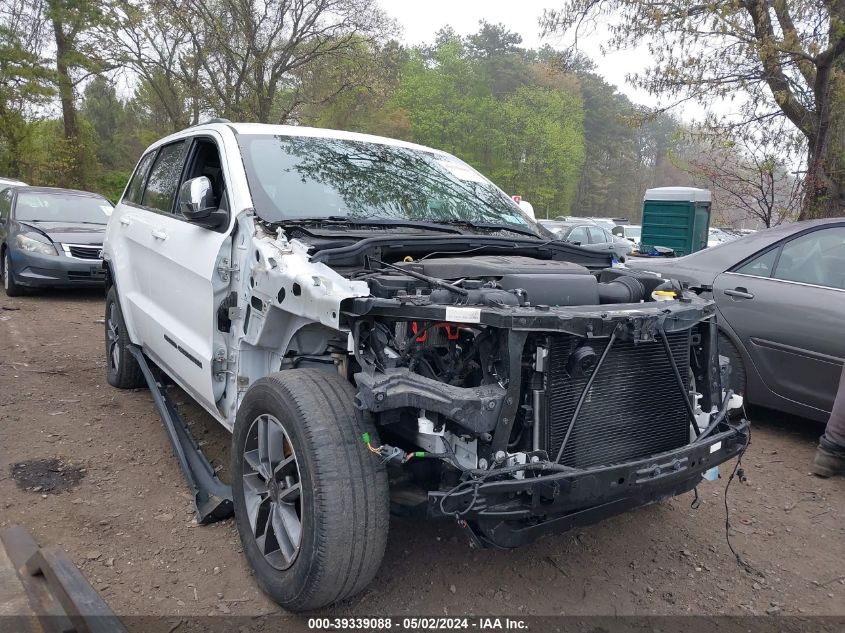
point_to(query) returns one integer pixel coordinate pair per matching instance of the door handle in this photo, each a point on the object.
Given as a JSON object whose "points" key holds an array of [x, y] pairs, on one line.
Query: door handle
{"points": [[159, 234], [740, 293], [125, 221]]}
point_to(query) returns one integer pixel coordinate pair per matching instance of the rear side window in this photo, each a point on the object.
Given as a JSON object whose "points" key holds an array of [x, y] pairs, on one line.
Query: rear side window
{"points": [[135, 191], [815, 258], [160, 191]]}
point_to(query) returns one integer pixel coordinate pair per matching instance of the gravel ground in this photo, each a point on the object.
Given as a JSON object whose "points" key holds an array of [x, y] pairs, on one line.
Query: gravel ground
{"points": [[124, 514]]}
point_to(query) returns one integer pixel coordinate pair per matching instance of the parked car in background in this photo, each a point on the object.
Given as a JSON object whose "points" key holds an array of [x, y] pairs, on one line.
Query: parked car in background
{"points": [[780, 295], [630, 232], [11, 182], [606, 223], [719, 236], [51, 237], [586, 233]]}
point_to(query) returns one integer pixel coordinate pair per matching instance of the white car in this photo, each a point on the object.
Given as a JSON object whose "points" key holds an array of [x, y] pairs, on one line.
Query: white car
{"points": [[11, 182], [350, 306], [630, 232]]}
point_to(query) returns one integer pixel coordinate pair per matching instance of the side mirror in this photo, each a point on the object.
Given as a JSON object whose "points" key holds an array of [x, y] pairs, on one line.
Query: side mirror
{"points": [[196, 202]]}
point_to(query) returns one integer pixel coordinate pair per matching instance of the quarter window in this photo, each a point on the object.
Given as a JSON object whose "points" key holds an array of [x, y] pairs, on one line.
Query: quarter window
{"points": [[135, 191], [160, 191], [814, 258]]}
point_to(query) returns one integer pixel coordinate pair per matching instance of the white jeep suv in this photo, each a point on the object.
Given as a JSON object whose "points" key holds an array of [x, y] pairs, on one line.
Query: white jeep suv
{"points": [[380, 326]]}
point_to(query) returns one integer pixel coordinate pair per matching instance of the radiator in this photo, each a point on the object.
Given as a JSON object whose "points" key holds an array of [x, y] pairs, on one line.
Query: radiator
{"points": [[634, 407]]}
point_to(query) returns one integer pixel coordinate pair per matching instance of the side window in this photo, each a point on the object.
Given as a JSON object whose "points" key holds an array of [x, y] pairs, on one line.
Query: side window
{"points": [[579, 234], [5, 204], [136, 186], [815, 258], [597, 235], [760, 266], [160, 191], [205, 161]]}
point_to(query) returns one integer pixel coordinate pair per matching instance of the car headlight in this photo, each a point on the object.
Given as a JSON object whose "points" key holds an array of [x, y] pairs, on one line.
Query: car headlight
{"points": [[35, 246]]}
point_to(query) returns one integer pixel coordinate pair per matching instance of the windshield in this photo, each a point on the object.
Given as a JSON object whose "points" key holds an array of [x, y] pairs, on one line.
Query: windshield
{"points": [[631, 231], [61, 207], [297, 177]]}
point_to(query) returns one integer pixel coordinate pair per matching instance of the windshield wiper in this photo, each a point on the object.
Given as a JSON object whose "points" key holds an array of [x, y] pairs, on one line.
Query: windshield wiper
{"points": [[341, 220], [490, 226]]}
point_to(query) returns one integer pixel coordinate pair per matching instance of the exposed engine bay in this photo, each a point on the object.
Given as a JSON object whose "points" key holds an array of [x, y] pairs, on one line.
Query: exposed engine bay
{"points": [[504, 362]]}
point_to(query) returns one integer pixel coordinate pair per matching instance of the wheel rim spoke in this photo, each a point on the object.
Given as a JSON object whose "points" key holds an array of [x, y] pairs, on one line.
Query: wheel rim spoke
{"points": [[272, 491], [112, 333], [287, 530]]}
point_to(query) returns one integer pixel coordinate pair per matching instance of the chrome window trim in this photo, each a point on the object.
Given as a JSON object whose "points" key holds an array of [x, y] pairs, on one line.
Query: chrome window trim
{"points": [[785, 281]]}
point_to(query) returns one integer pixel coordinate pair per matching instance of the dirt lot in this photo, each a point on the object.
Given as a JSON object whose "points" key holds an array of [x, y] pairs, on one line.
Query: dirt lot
{"points": [[127, 521]]}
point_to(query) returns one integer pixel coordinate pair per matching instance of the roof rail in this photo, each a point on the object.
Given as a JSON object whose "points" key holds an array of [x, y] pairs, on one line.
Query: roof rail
{"points": [[212, 120]]}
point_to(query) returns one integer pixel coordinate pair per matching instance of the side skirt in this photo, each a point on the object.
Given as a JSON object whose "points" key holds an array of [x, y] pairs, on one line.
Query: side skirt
{"points": [[212, 498]]}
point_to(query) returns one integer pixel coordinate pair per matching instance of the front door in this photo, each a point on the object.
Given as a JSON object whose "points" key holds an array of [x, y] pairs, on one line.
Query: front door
{"points": [[787, 306], [177, 264]]}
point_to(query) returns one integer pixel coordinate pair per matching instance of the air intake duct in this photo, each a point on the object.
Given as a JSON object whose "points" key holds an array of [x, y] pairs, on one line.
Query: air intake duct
{"points": [[623, 289]]}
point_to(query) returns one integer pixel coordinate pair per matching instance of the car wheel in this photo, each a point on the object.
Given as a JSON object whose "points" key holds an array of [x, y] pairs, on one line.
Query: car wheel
{"points": [[311, 502], [737, 380], [12, 289], [122, 370]]}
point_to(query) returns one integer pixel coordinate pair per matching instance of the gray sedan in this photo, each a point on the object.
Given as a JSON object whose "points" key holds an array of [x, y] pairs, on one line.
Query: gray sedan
{"points": [[780, 295], [589, 235]]}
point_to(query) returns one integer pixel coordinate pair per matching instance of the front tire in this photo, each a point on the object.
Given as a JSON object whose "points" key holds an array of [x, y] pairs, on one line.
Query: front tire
{"points": [[12, 289], [122, 370], [311, 502]]}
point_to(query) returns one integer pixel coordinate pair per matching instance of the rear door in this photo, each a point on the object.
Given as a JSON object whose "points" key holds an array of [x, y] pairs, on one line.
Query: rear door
{"points": [[786, 304]]}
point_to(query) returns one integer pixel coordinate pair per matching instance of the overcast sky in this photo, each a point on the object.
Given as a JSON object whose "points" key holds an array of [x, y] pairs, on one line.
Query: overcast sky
{"points": [[421, 19]]}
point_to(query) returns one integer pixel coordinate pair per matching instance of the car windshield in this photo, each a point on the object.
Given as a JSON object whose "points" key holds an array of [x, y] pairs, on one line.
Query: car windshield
{"points": [[631, 231], [300, 177], [61, 207]]}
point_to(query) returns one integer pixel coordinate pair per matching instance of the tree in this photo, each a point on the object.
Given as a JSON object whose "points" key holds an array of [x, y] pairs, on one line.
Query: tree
{"points": [[528, 138], [72, 22], [749, 182], [250, 56], [104, 111], [349, 94], [25, 78], [144, 37], [786, 58]]}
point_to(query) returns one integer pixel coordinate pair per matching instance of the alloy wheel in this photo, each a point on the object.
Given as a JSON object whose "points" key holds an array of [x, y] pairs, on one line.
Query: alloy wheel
{"points": [[113, 336], [272, 489]]}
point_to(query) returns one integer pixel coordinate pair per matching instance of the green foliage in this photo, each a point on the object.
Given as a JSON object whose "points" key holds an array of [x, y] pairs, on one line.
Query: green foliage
{"points": [[537, 122], [112, 183], [48, 158], [527, 137]]}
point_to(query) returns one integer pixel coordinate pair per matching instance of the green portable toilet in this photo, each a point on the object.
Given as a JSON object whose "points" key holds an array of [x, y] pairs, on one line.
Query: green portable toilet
{"points": [[677, 218]]}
